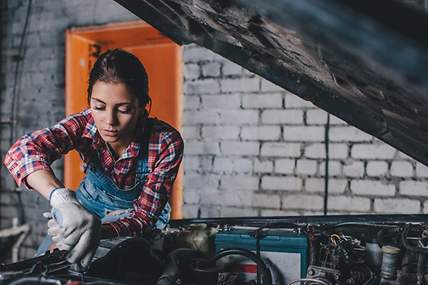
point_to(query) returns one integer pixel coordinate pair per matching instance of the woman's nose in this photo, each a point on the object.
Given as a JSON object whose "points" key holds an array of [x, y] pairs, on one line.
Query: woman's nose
{"points": [[111, 118]]}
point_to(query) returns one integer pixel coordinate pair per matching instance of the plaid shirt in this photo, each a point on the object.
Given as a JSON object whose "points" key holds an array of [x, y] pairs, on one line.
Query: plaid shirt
{"points": [[37, 150]]}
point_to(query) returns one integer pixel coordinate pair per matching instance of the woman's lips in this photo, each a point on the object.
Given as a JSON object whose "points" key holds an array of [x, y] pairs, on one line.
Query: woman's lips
{"points": [[110, 133]]}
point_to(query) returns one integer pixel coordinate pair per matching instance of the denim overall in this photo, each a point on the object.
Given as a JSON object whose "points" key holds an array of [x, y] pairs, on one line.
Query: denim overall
{"points": [[99, 195]]}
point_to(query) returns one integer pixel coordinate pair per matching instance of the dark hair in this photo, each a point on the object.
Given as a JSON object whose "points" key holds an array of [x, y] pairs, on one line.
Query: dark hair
{"points": [[119, 66]]}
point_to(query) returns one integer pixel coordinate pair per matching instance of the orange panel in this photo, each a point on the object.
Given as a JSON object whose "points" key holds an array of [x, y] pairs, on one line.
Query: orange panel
{"points": [[160, 56]]}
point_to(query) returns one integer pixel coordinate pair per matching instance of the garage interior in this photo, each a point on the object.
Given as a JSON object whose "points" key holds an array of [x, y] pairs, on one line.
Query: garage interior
{"points": [[279, 117]]}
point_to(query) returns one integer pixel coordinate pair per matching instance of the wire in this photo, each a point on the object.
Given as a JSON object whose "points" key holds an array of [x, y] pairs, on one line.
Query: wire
{"points": [[309, 280], [267, 277], [327, 162], [19, 57]]}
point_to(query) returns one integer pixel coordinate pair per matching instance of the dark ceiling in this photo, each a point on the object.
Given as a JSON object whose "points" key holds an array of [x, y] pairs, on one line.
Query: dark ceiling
{"points": [[364, 61]]}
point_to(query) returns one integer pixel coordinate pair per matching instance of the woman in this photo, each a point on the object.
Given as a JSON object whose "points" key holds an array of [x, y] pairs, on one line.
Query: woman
{"points": [[130, 161]]}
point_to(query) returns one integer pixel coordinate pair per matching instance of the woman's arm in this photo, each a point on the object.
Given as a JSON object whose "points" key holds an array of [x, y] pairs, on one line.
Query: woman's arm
{"points": [[43, 181], [36, 151]]}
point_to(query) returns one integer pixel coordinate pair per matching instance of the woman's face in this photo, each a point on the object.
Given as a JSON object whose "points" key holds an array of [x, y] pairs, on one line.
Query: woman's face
{"points": [[115, 111]]}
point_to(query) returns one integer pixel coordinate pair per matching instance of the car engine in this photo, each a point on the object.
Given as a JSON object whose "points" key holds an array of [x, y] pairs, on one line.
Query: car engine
{"points": [[237, 252]]}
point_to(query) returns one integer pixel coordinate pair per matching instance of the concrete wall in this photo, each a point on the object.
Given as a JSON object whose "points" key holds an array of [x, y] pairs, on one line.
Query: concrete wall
{"points": [[251, 148]]}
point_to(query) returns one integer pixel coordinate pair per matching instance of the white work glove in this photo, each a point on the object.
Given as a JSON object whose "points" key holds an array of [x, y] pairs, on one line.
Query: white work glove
{"points": [[73, 228]]}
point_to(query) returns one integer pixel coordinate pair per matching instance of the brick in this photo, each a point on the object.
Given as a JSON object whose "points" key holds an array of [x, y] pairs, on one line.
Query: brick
{"points": [[191, 102], [282, 117], [231, 68], [377, 168], [239, 182], [240, 148], [303, 133], [421, 170], [293, 101], [220, 132], [191, 163], [192, 196], [206, 86], [195, 54], [397, 206], [201, 117], [305, 202], [261, 133], [372, 188], [353, 169], [317, 150], [334, 168], [240, 85], [266, 201], [230, 101], [401, 169], [263, 166], [206, 163], [191, 71], [262, 101], [267, 86], [306, 167], [211, 69], [273, 213], [281, 149], [414, 188], [238, 165], [228, 198], [285, 166], [190, 132], [194, 147], [347, 203], [368, 151], [348, 134], [190, 211], [403, 156], [239, 117], [281, 183], [238, 212], [336, 186], [425, 207], [316, 117], [207, 211], [336, 121], [200, 182]]}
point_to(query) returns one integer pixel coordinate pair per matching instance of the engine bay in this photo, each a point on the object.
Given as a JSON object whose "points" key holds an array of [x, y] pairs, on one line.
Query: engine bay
{"points": [[333, 251]]}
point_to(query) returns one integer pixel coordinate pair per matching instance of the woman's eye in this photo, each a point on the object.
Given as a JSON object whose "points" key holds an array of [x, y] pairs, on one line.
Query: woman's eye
{"points": [[125, 109], [98, 107]]}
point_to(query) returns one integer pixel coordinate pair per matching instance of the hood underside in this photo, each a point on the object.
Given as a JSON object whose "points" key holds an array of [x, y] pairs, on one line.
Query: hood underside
{"points": [[363, 61]]}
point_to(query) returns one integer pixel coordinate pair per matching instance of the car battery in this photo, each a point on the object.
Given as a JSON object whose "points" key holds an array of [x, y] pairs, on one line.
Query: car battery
{"points": [[284, 252]]}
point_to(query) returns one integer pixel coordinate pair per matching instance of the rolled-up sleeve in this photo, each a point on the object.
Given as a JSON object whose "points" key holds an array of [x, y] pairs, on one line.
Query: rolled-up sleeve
{"points": [[37, 150]]}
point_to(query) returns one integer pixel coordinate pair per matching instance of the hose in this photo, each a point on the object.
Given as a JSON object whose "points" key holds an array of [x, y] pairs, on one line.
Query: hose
{"points": [[36, 280], [407, 245], [266, 276]]}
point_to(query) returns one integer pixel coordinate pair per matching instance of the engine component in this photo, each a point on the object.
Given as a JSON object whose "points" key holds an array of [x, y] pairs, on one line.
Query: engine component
{"points": [[389, 262]]}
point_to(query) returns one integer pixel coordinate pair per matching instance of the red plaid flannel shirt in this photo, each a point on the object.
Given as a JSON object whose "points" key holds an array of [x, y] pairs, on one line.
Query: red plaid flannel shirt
{"points": [[37, 150]]}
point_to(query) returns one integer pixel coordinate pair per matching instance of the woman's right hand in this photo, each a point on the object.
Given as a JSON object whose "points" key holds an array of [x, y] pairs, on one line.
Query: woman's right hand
{"points": [[73, 228]]}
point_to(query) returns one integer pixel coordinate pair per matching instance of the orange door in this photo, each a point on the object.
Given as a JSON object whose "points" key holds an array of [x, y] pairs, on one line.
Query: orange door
{"points": [[160, 56]]}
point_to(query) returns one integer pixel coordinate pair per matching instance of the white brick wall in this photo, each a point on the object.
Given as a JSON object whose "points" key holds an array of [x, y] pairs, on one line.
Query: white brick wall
{"points": [[265, 142]]}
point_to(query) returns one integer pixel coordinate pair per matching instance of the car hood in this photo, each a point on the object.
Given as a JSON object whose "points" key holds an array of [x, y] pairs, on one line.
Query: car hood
{"points": [[363, 61]]}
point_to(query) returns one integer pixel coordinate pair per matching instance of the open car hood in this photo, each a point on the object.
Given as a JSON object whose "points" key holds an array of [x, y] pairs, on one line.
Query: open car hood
{"points": [[363, 61]]}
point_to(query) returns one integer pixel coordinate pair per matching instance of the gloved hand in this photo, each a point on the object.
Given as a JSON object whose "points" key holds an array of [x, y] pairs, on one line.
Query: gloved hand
{"points": [[73, 228]]}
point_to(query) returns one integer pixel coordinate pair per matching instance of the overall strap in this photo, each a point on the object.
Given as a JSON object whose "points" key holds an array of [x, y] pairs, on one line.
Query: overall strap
{"points": [[143, 164]]}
